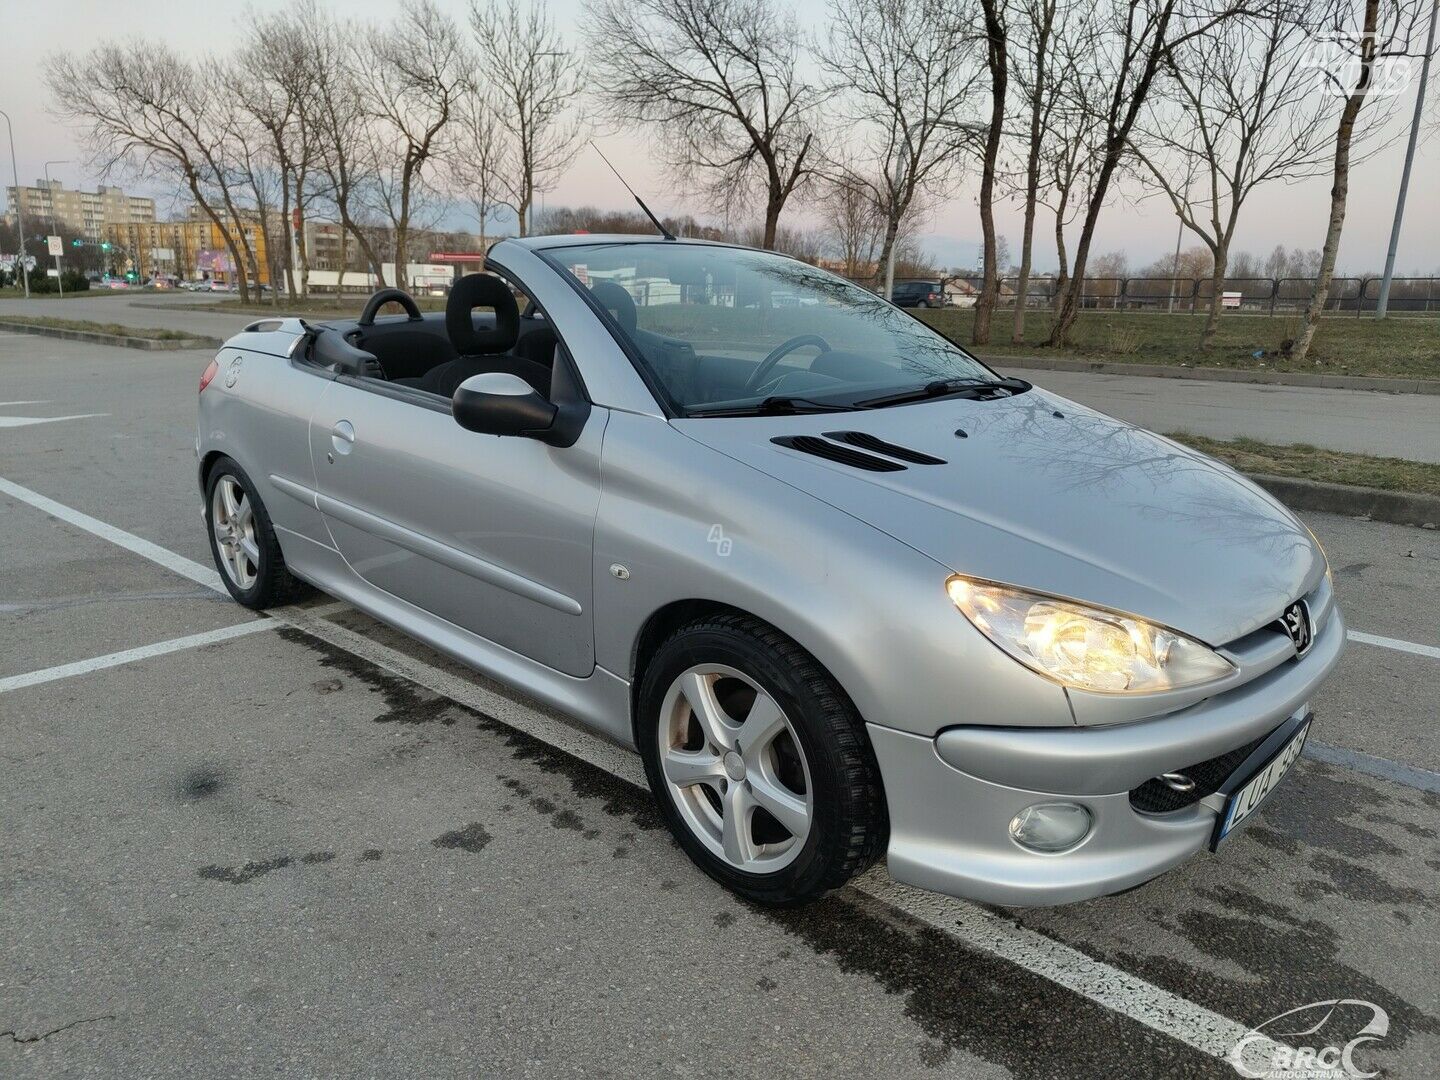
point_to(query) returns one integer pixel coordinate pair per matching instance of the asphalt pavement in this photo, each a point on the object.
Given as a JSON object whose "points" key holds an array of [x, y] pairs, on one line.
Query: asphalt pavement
{"points": [[309, 846]]}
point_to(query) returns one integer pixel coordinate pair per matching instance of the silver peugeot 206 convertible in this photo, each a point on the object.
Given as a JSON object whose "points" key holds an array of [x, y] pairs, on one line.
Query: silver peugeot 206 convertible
{"points": [[846, 590]]}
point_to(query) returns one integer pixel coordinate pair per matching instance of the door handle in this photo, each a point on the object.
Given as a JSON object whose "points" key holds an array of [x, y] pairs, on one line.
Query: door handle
{"points": [[342, 436]]}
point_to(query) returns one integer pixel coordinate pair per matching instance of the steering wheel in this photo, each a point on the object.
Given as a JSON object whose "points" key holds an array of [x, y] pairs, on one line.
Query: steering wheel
{"points": [[389, 296], [784, 349]]}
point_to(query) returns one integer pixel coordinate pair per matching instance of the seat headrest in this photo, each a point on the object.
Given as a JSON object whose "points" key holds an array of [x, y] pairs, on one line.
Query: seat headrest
{"points": [[481, 290], [617, 300]]}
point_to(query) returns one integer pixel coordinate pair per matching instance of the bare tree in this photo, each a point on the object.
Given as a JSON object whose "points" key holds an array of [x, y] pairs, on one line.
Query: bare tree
{"points": [[1236, 109], [1361, 64], [536, 78], [475, 158], [341, 123], [1139, 36], [1075, 127], [416, 70], [148, 111], [256, 170], [997, 61], [1046, 39], [276, 83], [721, 81], [853, 223], [903, 75]]}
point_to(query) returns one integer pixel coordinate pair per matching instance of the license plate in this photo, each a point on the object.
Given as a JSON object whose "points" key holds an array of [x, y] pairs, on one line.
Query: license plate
{"points": [[1247, 799]]}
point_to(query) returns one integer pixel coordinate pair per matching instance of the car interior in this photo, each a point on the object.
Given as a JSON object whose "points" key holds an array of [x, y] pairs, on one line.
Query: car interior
{"points": [[482, 330]]}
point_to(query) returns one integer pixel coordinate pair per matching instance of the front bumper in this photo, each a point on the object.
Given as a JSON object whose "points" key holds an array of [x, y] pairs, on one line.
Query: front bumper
{"points": [[951, 798]]}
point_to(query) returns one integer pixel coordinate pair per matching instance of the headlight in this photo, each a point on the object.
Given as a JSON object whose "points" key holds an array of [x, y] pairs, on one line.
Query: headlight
{"points": [[1085, 647]]}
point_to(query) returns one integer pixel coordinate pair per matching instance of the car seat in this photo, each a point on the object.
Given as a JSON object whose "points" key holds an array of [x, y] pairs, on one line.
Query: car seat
{"points": [[481, 350]]}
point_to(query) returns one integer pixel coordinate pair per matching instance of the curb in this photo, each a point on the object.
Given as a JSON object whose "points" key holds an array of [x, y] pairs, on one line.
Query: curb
{"points": [[1397, 507], [149, 344], [1217, 374]]}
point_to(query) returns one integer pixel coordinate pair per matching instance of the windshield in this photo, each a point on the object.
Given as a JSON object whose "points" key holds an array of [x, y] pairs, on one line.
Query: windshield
{"points": [[731, 330]]}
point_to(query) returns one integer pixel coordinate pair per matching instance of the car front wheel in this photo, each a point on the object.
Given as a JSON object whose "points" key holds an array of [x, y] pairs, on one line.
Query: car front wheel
{"points": [[759, 761]]}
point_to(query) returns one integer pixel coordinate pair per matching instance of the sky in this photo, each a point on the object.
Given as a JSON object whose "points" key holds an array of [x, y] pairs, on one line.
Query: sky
{"points": [[1292, 215]]}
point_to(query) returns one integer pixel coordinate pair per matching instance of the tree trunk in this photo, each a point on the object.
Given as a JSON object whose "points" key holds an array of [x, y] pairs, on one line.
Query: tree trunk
{"points": [[999, 79], [366, 248], [304, 253], [1340, 188], [1032, 177], [1217, 283], [883, 269], [1062, 273], [773, 206], [402, 254]]}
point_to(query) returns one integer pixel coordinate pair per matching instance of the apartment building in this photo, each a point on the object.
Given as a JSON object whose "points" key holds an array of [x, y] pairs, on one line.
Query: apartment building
{"points": [[52, 205]]}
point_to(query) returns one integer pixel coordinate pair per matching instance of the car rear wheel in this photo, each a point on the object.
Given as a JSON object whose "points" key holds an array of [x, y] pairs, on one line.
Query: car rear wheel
{"points": [[922, 303], [759, 762], [242, 540]]}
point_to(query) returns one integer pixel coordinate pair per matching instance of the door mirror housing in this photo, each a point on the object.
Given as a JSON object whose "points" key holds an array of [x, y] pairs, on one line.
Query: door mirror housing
{"points": [[497, 403]]}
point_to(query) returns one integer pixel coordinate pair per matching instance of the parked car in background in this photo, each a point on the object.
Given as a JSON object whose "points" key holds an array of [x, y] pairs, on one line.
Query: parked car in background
{"points": [[848, 591], [917, 294]]}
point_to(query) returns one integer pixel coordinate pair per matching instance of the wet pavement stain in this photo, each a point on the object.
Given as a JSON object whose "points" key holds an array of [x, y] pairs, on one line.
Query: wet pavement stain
{"points": [[201, 782], [405, 702], [373, 854], [408, 703], [243, 875], [471, 838], [1356, 881], [724, 919], [567, 819], [965, 999], [1284, 954], [315, 858]]}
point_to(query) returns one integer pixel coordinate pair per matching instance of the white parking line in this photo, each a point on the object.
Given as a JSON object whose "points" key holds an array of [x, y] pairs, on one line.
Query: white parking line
{"points": [[188, 568], [273, 620], [31, 421], [1394, 643], [128, 656]]}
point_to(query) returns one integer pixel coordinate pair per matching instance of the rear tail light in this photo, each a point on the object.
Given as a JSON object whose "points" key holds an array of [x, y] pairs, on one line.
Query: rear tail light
{"points": [[211, 370]]}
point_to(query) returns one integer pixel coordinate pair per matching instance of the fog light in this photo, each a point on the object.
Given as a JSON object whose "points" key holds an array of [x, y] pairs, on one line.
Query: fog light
{"points": [[1050, 827]]}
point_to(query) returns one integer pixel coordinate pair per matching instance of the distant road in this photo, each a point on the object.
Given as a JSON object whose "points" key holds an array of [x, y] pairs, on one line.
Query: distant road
{"points": [[1360, 421]]}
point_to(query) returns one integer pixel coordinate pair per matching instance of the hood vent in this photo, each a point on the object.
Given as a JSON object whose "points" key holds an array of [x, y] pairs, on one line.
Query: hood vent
{"points": [[866, 441], [836, 452]]}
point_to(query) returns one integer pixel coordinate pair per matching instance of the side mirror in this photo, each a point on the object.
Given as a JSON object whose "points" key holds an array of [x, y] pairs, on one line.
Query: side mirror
{"points": [[497, 403]]}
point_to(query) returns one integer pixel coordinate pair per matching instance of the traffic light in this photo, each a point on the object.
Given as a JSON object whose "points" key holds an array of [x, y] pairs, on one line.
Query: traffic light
{"points": [[105, 245], [77, 242]]}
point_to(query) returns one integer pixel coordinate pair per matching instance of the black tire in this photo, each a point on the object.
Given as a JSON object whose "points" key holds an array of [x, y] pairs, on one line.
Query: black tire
{"points": [[850, 826], [923, 304], [274, 585]]}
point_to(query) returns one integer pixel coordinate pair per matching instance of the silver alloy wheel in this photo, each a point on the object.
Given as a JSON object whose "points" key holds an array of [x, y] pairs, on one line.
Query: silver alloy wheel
{"points": [[735, 768], [232, 517]]}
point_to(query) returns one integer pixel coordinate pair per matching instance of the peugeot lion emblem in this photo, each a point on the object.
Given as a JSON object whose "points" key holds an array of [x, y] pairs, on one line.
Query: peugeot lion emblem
{"points": [[1296, 621]]}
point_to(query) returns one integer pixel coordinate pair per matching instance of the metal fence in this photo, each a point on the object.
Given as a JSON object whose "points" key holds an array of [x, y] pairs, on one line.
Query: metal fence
{"points": [[1266, 296]]}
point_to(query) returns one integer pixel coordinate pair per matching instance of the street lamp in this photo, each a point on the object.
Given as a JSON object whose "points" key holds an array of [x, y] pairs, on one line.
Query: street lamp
{"points": [[19, 214], [50, 194]]}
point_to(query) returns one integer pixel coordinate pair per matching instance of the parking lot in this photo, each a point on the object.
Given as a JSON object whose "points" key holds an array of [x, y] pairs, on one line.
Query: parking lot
{"points": [[306, 845]]}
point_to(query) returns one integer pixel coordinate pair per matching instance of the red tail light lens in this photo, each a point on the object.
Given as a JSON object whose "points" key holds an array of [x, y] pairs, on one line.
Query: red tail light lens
{"points": [[211, 370]]}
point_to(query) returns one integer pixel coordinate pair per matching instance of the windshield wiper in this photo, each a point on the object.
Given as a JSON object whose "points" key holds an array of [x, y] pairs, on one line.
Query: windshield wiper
{"points": [[949, 388], [778, 405]]}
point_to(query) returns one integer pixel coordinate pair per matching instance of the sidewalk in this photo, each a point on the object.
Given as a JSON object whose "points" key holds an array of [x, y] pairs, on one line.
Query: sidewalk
{"points": [[1362, 422]]}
